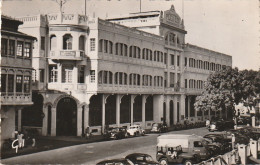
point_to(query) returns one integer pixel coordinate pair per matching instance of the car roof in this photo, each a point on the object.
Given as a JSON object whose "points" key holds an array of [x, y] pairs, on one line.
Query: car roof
{"points": [[137, 154], [112, 160]]}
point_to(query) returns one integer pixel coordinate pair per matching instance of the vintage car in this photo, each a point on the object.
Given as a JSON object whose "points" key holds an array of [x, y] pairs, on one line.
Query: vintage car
{"points": [[115, 162], [140, 158], [135, 130], [219, 143], [159, 127], [116, 133], [220, 125]]}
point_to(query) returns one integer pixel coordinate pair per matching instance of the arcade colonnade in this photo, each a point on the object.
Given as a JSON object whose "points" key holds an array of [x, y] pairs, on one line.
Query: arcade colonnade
{"points": [[67, 116]]}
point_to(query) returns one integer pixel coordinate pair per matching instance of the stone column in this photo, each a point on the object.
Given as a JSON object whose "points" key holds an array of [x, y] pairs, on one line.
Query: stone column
{"points": [[132, 108], [53, 121], [59, 68], [79, 121], [182, 106], [167, 101], [19, 120], [118, 101], [175, 108], [45, 121], [86, 116], [103, 112], [143, 110]]}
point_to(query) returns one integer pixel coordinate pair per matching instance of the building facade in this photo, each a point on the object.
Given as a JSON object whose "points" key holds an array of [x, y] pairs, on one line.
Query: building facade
{"points": [[16, 71], [135, 69]]}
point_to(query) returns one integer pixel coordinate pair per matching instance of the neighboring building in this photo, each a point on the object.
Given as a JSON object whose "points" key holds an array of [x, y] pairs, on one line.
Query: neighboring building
{"points": [[117, 72], [16, 71]]}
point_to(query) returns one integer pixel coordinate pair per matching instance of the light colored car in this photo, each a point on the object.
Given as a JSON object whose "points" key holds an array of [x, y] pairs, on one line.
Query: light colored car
{"points": [[135, 130]]}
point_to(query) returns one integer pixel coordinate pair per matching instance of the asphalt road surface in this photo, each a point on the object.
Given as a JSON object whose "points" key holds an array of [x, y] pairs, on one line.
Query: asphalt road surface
{"points": [[92, 153]]}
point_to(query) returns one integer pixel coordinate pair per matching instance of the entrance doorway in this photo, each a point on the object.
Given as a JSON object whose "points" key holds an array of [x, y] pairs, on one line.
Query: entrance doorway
{"points": [[66, 117]]}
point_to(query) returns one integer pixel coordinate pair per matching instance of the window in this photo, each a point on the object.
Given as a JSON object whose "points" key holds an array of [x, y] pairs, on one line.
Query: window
{"points": [[92, 76], [105, 80], [4, 47], [19, 51], [42, 43], [125, 47], [110, 77], [198, 144], [178, 60], [125, 78], [185, 60], [100, 45], [165, 58], [67, 42], [41, 75], [3, 83], [82, 43], [186, 83], [19, 83], [81, 73], [116, 78], [67, 73], [110, 47], [27, 49], [53, 73], [120, 78], [105, 46], [53, 42], [172, 59], [92, 44], [100, 80], [10, 83], [11, 47], [26, 84]]}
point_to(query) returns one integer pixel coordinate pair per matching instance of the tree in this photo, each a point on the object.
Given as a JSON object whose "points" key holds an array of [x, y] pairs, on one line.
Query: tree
{"points": [[227, 87]]}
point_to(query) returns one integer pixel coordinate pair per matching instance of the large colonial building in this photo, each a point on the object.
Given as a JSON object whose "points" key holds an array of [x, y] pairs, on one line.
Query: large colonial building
{"points": [[16, 71], [134, 69]]}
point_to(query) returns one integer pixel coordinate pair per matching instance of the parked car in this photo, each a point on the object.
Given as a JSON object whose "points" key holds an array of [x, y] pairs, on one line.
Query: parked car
{"points": [[219, 142], [116, 133], [135, 130], [159, 127], [220, 125], [140, 158], [121, 161]]}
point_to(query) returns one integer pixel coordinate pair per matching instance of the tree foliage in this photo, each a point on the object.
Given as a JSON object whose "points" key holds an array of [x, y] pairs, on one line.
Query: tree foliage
{"points": [[229, 86]]}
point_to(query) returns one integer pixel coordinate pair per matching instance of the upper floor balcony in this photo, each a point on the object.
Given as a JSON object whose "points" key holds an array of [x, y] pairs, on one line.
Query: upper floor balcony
{"points": [[16, 99], [129, 89], [76, 55], [67, 86]]}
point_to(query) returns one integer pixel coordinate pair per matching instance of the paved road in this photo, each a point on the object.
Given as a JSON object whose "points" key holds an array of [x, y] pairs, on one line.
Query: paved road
{"points": [[94, 152]]}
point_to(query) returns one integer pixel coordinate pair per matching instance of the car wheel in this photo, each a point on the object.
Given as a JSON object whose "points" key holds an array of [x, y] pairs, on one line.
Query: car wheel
{"points": [[197, 158], [187, 162], [163, 161]]}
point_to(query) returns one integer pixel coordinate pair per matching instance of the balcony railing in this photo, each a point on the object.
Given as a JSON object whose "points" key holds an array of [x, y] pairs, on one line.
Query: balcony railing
{"points": [[67, 86], [67, 55], [16, 99]]}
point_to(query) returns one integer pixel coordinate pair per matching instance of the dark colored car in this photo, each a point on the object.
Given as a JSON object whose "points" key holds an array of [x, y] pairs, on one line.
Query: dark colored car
{"points": [[159, 127], [115, 162], [220, 125], [219, 143], [140, 158], [116, 133]]}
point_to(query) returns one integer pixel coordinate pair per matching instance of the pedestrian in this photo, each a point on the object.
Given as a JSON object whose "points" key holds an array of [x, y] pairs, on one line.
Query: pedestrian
{"points": [[207, 123], [233, 140], [20, 139]]}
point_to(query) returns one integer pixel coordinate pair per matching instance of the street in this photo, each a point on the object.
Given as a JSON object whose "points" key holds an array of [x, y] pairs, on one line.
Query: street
{"points": [[94, 152]]}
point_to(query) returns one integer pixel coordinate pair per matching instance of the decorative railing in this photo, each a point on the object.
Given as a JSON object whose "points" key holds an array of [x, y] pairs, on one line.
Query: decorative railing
{"points": [[16, 99], [67, 54]]}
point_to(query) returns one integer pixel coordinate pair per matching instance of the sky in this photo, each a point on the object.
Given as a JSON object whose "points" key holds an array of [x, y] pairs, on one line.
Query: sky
{"points": [[227, 26]]}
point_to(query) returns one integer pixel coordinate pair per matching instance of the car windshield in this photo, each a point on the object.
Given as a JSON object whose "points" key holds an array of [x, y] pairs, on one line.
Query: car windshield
{"points": [[149, 158], [155, 125]]}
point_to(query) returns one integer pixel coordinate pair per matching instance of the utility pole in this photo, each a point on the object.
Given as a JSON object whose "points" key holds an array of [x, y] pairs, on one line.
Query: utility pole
{"points": [[61, 3], [85, 7], [140, 6]]}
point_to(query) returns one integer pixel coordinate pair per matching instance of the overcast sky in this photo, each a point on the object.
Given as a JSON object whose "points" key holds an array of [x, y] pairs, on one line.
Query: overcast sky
{"points": [[226, 26]]}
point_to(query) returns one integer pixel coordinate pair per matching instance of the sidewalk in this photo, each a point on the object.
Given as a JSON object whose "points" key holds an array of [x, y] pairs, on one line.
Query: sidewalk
{"points": [[44, 143]]}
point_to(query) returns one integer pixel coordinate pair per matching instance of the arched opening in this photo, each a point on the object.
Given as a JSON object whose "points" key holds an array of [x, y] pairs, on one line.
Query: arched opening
{"points": [[67, 42], [53, 42], [164, 112], [49, 121], [32, 115], [137, 109], [149, 109], [66, 117], [125, 109], [110, 110], [171, 113], [95, 110]]}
